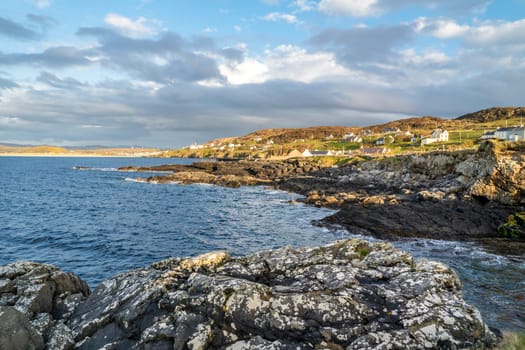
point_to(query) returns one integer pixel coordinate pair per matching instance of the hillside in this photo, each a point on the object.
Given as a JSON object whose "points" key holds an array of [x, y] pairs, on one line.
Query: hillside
{"points": [[494, 114], [282, 135], [464, 132], [287, 135], [417, 123]]}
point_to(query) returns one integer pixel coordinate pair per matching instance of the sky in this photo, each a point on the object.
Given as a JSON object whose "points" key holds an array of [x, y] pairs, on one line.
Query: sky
{"points": [[168, 73]]}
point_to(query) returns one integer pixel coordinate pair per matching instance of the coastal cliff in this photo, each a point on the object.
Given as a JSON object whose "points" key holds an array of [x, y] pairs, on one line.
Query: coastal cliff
{"points": [[350, 294]]}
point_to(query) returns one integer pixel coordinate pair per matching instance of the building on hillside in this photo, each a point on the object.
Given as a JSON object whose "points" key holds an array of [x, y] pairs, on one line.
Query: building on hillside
{"points": [[306, 153], [385, 140], [438, 135], [351, 137], [348, 136], [374, 151], [441, 135], [367, 132], [391, 130], [516, 133], [488, 135], [196, 146], [317, 153]]}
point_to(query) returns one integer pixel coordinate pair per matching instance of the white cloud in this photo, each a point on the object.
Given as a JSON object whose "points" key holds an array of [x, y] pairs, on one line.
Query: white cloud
{"points": [[249, 71], [480, 34], [133, 28], [304, 5], [498, 33], [356, 8], [365, 8], [209, 30], [276, 16], [237, 28], [442, 28], [285, 62]]}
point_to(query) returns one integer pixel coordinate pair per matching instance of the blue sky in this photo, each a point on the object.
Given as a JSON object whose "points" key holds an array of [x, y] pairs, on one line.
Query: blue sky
{"points": [[168, 73]]}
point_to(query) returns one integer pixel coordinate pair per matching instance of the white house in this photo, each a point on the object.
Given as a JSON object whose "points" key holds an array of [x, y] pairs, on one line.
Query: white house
{"points": [[317, 153], [438, 135], [307, 153], [391, 130], [351, 137], [516, 133], [196, 146]]}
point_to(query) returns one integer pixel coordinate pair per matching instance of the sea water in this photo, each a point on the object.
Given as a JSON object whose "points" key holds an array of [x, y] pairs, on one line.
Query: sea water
{"points": [[98, 222]]}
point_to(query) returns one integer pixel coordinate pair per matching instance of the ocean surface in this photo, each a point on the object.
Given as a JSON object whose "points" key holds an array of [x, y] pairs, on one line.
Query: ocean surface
{"points": [[100, 222]]}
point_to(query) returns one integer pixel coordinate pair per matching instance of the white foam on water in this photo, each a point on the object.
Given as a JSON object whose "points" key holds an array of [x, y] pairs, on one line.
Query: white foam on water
{"points": [[82, 168], [130, 179]]}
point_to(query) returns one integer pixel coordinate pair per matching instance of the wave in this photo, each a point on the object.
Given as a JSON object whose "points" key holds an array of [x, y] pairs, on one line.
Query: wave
{"points": [[130, 179], [88, 168]]}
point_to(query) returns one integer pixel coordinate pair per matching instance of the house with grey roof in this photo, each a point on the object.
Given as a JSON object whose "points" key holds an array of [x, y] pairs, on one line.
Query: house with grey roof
{"points": [[516, 133]]}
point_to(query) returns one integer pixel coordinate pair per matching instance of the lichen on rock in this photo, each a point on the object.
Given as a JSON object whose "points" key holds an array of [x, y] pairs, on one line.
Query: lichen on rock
{"points": [[350, 294]]}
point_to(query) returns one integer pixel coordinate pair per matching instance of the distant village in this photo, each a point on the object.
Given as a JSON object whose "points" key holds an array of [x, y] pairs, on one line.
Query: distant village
{"points": [[376, 144]]}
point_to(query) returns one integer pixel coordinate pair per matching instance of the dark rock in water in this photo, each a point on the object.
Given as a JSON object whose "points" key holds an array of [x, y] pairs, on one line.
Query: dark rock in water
{"points": [[347, 295]]}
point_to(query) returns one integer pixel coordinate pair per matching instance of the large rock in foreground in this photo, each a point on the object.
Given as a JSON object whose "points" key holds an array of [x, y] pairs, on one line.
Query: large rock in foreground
{"points": [[347, 295]]}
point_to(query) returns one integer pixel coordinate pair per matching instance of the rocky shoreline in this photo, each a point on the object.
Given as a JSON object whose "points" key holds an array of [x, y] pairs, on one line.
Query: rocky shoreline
{"points": [[350, 294], [462, 196]]}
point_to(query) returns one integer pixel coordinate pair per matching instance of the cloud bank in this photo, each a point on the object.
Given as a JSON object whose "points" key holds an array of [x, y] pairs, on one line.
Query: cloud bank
{"points": [[127, 80]]}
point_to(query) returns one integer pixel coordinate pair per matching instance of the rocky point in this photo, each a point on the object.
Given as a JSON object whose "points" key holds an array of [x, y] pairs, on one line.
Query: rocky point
{"points": [[350, 294]]}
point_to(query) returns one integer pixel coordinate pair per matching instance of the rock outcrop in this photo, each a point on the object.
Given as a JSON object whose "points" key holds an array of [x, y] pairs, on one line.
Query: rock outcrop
{"points": [[35, 302], [495, 173], [464, 195], [196, 177], [226, 173], [347, 295]]}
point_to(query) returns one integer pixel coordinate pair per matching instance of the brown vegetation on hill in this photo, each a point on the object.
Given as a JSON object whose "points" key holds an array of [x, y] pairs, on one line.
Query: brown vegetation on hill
{"points": [[286, 135], [44, 149], [417, 123], [494, 113]]}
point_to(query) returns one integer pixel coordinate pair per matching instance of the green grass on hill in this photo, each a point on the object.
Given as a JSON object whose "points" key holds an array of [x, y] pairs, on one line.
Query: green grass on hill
{"points": [[464, 133]]}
